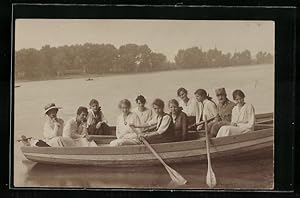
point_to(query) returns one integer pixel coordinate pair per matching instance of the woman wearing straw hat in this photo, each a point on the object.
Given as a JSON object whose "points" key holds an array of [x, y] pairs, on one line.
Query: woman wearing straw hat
{"points": [[53, 126]]}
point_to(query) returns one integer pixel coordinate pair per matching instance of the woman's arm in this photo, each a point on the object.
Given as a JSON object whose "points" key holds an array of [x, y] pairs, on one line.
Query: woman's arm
{"points": [[70, 132], [48, 132], [103, 119], [199, 111], [151, 123]]}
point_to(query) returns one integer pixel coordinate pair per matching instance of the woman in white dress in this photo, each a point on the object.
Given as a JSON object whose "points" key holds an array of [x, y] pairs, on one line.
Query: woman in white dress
{"points": [[243, 117], [53, 128], [143, 112], [207, 107], [189, 106], [125, 134]]}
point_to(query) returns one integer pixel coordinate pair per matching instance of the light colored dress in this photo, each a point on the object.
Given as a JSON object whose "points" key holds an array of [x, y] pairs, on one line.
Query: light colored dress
{"points": [[53, 134], [210, 109], [125, 134], [74, 131], [243, 117], [191, 108], [144, 116]]}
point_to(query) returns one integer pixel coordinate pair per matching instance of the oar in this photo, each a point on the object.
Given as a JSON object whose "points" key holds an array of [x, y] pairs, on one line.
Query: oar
{"points": [[210, 177], [175, 176], [199, 123]]}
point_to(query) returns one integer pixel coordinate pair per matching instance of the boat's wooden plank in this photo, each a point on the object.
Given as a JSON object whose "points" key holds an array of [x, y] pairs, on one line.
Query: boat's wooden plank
{"points": [[135, 149], [264, 115], [112, 163]]}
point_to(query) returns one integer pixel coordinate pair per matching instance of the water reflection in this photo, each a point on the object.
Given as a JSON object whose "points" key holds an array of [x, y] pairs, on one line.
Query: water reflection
{"points": [[92, 177]]}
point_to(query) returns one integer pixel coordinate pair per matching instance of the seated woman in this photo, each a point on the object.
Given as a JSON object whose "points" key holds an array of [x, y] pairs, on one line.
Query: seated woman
{"points": [[243, 117], [179, 119], [76, 129], [164, 130], [97, 124], [53, 127], [143, 112], [208, 107], [125, 134], [189, 106]]}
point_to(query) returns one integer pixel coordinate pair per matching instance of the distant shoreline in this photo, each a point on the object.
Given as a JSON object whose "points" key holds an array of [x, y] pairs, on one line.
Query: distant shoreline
{"points": [[91, 76]]}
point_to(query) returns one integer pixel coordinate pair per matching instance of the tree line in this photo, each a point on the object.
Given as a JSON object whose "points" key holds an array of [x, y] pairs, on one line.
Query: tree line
{"points": [[54, 62]]}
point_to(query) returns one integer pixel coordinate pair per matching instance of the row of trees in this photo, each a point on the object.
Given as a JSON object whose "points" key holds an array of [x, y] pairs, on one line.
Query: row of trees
{"points": [[52, 62], [197, 58]]}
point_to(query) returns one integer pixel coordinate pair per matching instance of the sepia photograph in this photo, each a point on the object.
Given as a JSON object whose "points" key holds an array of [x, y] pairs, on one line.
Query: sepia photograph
{"points": [[143, 104]]}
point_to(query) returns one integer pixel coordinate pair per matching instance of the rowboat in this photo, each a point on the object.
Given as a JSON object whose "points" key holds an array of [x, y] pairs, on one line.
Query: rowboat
{"points": [[193, 149]]}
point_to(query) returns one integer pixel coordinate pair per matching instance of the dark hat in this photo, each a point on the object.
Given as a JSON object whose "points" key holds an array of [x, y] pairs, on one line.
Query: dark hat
{"points": [[220, 91], [50, 106]]}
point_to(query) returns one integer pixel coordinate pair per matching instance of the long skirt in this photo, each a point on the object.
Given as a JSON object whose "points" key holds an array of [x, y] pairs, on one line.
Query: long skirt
{"points": [[124, 141], [231, 130], [213, 127]]}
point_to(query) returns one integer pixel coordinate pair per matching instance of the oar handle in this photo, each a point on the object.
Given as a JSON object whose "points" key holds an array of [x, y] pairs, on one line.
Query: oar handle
{"points": [[199, 123], [206, 138]]}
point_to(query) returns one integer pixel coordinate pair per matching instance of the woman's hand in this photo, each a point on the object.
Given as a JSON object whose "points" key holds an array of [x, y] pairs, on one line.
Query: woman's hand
{"points": [[199, 127], [98, 125], [88, 137], [233, 124]]}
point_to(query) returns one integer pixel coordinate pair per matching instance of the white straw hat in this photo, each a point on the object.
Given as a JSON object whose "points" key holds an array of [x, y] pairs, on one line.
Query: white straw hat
{"points": [[50, 106]]}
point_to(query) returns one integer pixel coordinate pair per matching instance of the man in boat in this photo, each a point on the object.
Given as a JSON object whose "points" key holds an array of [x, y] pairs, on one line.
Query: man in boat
{"points": [[97, 124], [76, 129], [224, 108]]}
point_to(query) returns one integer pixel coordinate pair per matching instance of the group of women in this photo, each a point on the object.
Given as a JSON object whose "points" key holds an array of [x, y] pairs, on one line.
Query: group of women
{"points": [[155, 124], [159, 126]]}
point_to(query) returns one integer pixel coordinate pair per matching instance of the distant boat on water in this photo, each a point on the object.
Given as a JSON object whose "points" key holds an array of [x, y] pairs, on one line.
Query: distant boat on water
{"points": [[16, 86], [89, 79]]}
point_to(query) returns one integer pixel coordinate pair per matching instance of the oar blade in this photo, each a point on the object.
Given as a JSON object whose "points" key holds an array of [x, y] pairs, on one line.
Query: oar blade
{"points": [[211, 178], [175, 176]]}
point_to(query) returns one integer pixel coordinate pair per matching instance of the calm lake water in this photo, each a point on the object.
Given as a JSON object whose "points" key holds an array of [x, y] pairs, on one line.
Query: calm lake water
{"points": [[244, 172]]}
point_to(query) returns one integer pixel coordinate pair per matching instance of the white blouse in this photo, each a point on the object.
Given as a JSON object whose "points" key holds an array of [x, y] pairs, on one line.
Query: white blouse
{"points": [[162, 123], [51, 130], [209, 109], [123, 129], [144, 116], [244, 117], [191, 108], [72, 130]]}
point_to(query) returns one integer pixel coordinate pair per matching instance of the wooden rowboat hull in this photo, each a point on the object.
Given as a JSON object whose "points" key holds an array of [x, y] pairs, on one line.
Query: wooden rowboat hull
{"points": [[139, 155]]}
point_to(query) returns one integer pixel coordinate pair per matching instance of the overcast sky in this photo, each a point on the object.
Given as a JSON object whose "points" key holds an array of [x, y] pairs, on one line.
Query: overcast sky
{"points": [[165, 36]]}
